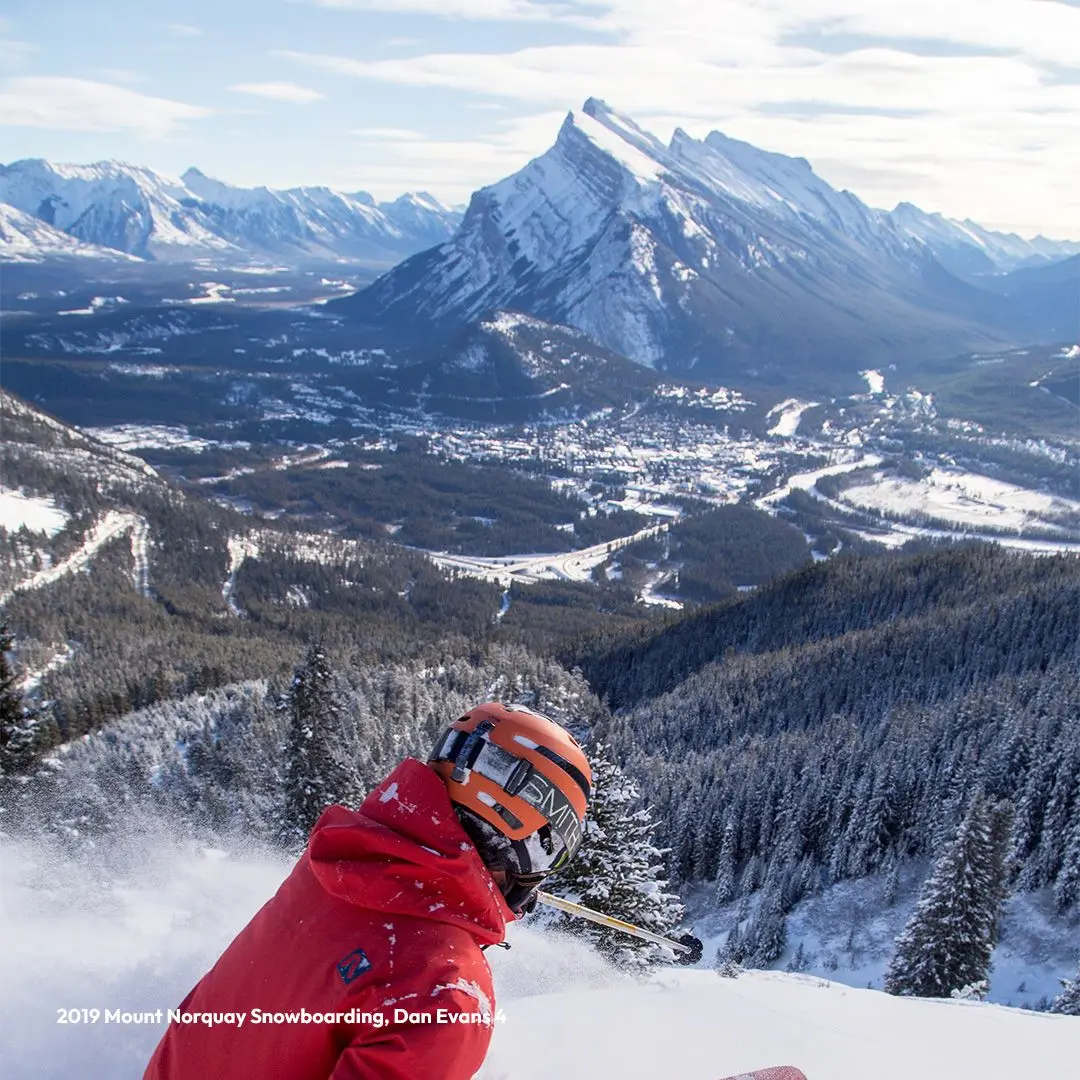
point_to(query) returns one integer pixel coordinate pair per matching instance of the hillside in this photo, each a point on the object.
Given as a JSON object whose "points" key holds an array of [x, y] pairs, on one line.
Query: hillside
{"points": [[124, 589]]}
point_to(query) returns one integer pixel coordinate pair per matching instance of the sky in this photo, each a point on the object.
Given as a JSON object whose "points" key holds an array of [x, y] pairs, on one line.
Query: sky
{"points": [[968, 107]]}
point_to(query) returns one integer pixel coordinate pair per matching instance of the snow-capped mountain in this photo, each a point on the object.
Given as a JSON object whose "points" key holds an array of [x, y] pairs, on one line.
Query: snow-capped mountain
{"points": [[705, 255], [25, 238], [135, 210], [968, 249], [515, 365]]}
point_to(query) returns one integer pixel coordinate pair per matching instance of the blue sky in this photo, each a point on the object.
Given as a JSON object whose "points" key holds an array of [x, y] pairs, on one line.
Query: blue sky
{"points": [[971, 107]]}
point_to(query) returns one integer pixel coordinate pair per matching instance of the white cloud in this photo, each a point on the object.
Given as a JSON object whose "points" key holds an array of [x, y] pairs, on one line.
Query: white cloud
{"points": [[279, 91], [493, 10], [183, 29], [388, 134], [971, 107], [83, 105], [452, 166]]}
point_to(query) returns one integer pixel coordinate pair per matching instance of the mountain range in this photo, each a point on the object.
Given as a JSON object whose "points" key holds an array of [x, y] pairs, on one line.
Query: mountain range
{"points": [[709, 257], [110, 209]]}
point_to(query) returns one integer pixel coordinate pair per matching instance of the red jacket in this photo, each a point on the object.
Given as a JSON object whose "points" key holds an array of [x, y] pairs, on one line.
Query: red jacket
{"points": [[385, 911]]}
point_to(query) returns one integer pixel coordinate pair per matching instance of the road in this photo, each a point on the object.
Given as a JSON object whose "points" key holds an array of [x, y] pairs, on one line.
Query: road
{"points": [[561, 566]]}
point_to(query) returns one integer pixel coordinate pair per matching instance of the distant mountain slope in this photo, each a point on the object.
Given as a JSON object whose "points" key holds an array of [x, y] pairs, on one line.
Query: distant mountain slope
{"points": [[25, 238], [709, 256], [136, 210], [966, 248]]}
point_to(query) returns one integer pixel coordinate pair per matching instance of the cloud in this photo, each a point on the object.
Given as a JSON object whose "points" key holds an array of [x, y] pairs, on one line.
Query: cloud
{"points": [[279, 91], [456, 167], [489, 10], [386, 134], [938, 101], [183, 29], [84, 105]]}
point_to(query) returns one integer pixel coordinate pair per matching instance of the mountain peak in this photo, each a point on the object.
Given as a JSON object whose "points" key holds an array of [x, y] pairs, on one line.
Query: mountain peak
{"points": [[617, 138], [744, 153], [133, 209]]}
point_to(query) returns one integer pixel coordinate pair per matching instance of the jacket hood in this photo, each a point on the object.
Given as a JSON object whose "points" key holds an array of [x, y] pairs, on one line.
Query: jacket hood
{"points": [[404, 852]]}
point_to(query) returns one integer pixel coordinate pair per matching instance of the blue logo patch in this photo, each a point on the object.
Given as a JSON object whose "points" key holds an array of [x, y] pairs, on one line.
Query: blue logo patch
{"points": [[353, 966]]}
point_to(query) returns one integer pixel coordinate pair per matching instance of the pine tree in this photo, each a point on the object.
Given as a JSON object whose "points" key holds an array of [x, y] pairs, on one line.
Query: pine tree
{"points": [[766, 935], [1068, 1001], [947, 943], [725, 878], [17, 742], [320, 760], [1067, 886], [619, 869]]}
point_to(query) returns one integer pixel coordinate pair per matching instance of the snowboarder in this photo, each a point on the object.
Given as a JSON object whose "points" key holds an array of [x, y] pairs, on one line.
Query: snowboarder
{"points": [[383, 920]]}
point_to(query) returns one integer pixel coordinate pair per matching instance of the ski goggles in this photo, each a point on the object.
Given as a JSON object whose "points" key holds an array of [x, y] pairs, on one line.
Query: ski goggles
{"points": [[552, 846]]}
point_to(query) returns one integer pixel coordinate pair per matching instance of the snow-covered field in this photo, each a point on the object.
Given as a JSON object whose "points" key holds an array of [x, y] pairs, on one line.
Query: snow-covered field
{"points": [[785, 417], [133, 928], [148, 436], [37, 514], [964, 498]]}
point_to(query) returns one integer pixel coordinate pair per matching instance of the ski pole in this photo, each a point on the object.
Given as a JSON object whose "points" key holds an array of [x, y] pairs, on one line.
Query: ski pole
{"points": [[688, 946]]}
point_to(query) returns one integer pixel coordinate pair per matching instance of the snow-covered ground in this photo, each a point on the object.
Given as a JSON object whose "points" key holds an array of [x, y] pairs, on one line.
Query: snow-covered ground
{"points": [[693, 1025], [240, 548], [134, 927], [965, 498], [806, 481], [875, 381], [112, 524], [786, 416], [37, 514], [847, 934], [149, 436], [562, 566], [31, 679]]}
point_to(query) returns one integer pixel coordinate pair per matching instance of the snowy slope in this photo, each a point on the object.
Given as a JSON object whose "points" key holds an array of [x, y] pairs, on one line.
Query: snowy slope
{"points": [[136, 210], [112, 205], [696, 1026], [969, 248], [134, 928], [25, 238], [698, 253]]}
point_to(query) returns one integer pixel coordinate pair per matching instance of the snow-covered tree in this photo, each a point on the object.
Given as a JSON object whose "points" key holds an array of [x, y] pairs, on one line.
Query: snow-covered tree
{"points": [[17, 742], [725, 878], [619, 869], [1068, 1001], [766, 935], [947, 944], [320, 759], [1067, 887]]}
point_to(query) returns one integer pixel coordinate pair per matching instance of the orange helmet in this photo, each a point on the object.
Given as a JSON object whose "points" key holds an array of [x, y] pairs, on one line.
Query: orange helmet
{"points": [[525, 778]]}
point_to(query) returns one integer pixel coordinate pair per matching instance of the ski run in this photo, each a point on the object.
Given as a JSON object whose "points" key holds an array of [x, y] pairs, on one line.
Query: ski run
{"points": [[113, 524]]}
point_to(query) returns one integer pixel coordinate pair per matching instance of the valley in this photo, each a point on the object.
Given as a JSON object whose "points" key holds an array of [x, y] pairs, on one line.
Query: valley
{"points": [[769, 494]]}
